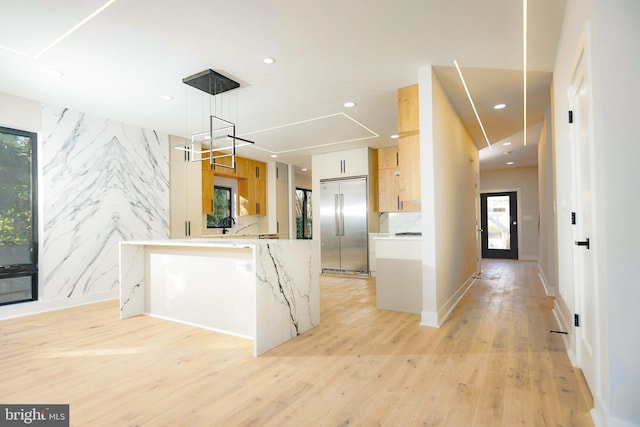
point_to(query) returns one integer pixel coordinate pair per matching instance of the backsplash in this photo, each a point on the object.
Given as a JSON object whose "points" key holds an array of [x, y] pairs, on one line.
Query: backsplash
{"points": [[245, 225], [401, 222], [101, 182]]}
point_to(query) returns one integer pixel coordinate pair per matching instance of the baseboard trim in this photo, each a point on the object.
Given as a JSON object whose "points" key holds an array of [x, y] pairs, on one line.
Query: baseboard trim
{"points": [[42, 306], [560, 312], [433, 319], [549, 290]]}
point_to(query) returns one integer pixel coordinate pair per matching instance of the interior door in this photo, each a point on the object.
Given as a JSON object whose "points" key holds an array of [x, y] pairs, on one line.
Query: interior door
{"points": [[583, 255], [499, 225]]}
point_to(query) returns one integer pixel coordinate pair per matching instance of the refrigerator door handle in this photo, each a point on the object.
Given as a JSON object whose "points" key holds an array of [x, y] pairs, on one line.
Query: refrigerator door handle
{"points": [[336, 212], [341, 214]]}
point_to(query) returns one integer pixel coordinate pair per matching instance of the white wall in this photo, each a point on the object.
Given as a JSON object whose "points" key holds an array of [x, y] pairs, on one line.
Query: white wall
{"points": [[99, 182], [547, 233], [449, 166], [614, 66], [525, 182], [20, 113]]}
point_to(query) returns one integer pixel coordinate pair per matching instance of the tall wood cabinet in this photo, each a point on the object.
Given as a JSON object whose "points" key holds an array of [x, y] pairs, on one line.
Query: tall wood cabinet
{"points": [[208, 181], [409, 149], [388, 180], [399, 167], [252, 189]]}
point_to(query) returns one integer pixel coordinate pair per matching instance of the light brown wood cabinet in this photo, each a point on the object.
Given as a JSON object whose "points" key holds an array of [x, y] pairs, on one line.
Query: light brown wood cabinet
{"points": [[409, 149], [408, 111], [252, 184], [207, 187], [252, 190], [399, 167], [388, 180], [409, 160]]}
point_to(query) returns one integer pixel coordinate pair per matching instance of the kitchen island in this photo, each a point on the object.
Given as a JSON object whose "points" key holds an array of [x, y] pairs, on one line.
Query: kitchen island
{"points": [[264, 290], [399, 272]]}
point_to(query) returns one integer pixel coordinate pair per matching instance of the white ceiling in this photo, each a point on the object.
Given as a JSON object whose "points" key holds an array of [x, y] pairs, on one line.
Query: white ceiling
{"points": [[120, 63]]}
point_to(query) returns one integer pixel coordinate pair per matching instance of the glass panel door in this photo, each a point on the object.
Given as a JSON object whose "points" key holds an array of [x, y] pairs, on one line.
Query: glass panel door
{"points": [[499, 225]]}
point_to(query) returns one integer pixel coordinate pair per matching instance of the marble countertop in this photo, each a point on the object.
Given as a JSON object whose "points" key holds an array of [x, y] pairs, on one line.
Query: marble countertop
{"points": [[206, 242], [396, 237]]}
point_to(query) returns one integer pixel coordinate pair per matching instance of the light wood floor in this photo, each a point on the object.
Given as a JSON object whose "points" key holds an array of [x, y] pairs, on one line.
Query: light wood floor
{"points": [[493, 363]]}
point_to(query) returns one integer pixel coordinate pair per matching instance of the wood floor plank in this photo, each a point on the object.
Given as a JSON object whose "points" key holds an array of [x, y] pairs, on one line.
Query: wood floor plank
{"points": [[492, 363]]}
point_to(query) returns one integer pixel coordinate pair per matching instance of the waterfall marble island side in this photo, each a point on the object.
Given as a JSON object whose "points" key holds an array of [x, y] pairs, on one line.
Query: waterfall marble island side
{"points": [[264, 290]]}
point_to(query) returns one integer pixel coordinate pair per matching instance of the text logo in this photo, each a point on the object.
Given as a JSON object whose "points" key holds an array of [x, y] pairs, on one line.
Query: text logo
{"points": [[34, 415]]}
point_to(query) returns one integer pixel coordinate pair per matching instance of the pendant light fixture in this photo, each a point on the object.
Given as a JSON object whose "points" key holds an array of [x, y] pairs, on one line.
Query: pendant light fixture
{"points": [[220, 140]]}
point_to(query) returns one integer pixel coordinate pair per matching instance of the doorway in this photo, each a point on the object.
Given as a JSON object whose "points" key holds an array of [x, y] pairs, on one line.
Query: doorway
{"points": [[584, 260], [499, 219]]}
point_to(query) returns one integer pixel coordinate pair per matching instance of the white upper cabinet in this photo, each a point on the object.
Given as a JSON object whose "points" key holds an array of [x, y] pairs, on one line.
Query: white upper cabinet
{"points": [[338, 164]]}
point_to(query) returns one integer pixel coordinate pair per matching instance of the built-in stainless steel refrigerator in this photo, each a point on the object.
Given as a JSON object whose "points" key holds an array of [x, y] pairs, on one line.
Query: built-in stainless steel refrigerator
{"points": [[343, 226]]}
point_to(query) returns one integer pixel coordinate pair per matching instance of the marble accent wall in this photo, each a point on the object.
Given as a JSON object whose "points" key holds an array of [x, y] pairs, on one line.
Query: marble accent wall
{"points": [[101, 182]]}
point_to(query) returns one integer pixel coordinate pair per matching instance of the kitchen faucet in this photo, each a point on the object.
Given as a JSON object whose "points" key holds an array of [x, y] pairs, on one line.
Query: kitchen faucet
{"points": [[227, 223]]}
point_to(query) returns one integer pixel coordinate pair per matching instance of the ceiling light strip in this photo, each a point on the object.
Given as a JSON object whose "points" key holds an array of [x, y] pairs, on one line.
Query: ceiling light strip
{"points": [[374, 134], [472, 104], [524, 67], [311, 147], [74, 28]]}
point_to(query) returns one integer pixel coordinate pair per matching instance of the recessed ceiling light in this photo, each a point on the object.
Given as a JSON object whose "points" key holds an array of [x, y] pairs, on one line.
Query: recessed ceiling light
{"points": [[509, 163], [395, 136], [349, 104], [167, 98], [273, 156], [499, 106], [53, 72], [304, 169], [268, 60], [506, 143]]}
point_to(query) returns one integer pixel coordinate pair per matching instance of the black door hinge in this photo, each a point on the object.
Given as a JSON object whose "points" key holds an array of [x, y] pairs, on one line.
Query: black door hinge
{"points": [[576, 320], [570, 116], [573, 218]]}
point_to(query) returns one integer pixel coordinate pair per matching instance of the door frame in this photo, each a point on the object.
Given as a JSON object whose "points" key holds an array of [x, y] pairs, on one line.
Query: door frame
{"points": [[518, 192], [590, 368]]}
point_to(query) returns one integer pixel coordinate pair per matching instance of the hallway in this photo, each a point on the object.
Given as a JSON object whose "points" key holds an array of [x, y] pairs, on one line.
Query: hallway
{"points": [[492, 363]]}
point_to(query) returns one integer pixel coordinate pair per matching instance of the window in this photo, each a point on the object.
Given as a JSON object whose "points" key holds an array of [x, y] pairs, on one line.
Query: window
{"points": [[303, 214], [18, 229], [222, 216]]}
